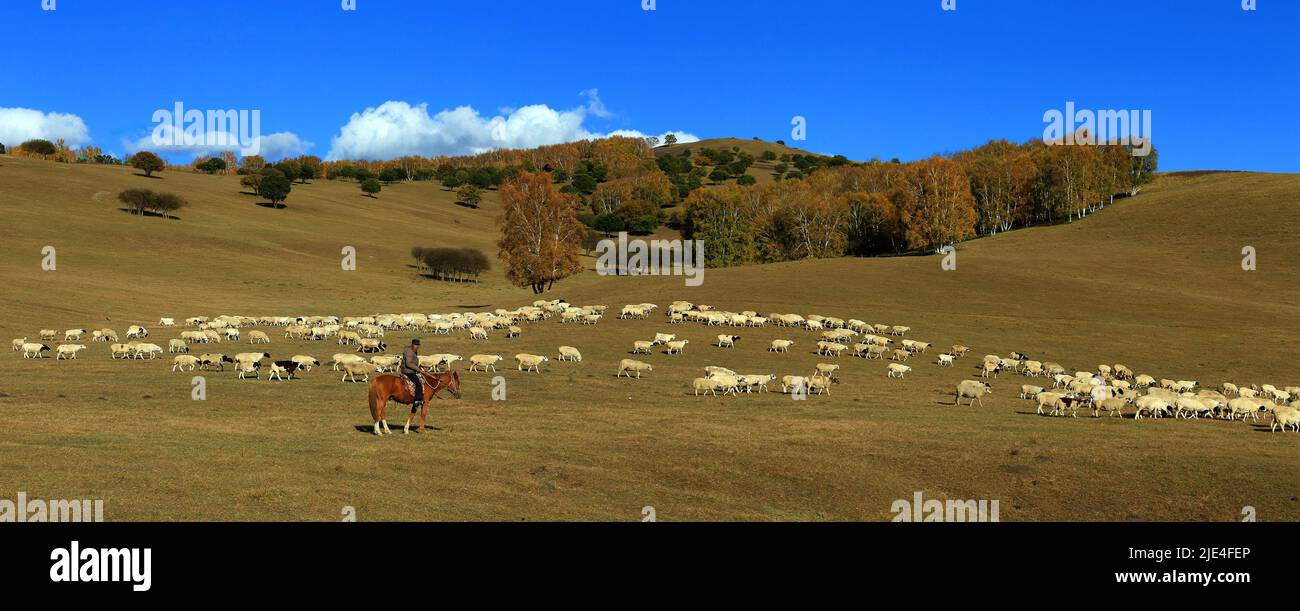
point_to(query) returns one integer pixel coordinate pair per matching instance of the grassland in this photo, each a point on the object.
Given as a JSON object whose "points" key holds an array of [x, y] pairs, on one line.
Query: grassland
{"points": [[1154, 282]]}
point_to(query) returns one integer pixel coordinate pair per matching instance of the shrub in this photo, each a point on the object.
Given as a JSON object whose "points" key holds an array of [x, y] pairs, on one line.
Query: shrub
{"points": [[147, 162], [455, 264], [143, 201], [371, 186], [274, 187]]}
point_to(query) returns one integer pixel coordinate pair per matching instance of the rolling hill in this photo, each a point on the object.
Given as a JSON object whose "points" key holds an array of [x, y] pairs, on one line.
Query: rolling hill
{"points": [[1154, 282]]}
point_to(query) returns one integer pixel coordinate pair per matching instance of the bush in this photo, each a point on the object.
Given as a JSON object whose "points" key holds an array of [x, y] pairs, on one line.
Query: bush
{"points": [[470, 195], [371, 186], [143, 201], [274, 187], [147, 162], [39, 147], [211, 166], [455, 264], [746, 180], [608, 223]]}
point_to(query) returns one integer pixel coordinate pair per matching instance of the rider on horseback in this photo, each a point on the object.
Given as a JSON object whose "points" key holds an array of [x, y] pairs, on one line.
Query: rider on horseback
{"points": [[411, 370]]}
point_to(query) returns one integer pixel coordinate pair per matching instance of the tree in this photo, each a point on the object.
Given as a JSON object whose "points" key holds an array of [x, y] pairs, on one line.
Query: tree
{"points": [[670, 139], [142, 201], [211, 165], [290, 169], [250, 182], [39, 147], [608, 223], [541, 237], [147, 162], [274, 187], [746, 180], [371, 186], [720, 218], [936, 205], [471, 195], [2, 148]]}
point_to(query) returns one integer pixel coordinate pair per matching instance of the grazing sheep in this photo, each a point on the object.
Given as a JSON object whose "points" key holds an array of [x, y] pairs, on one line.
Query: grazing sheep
{"points": [[1245, 407], [752, 382], [513, 331], [386, 362], [484, 361], [1229, 388], [1285, 416], [530, 362], [899, 330], [258, 337], [120, 350], [792, 383], [351, 369], [246, 369], [945, 359], [182, 361], [1113, 406], [151, 350], [708, 385], [820, 384], [166, 322], [232, 334], [642, 347], [48, 335], [305, 362], [569, 353], [68, 351], [73, 335], [219, 361], [663, 338], [973, 390], [897, 370], [728, 384], [341, 358], [627, 366], [1050, 399], [900, 355], [177, 345], [677, 346], [18, 344], [136, 332], [714, 370], [780, 345], [827, 370], [478, 333], [1027, 391], [279, 369], [728, 341], [959, 350], [108, 335], [991, 367], [371, 345], [1154, 407]]}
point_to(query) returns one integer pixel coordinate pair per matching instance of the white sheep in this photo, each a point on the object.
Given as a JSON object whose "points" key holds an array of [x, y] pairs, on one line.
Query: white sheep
{"points": [[827, 369], [897, 370], [728, 341], [18, 344], [663, 338], [569, 353], [677, 346], [1285, 416], [484, 361], [530, 362], [177, 345], [68, 351], [136, 332], [185, 360], [780, 345], [386, 362], [1028, 390], [757, 381], [708, 385], [351, 369], [305, 362], [642, 347], [478, 333], [73, 335], [973, 390], [258, 337], [628, 366], [946, 359], [714, 370]]}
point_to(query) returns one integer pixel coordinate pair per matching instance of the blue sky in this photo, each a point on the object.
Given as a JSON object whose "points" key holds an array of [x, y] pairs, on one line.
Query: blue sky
{"points": [[896, 78]]}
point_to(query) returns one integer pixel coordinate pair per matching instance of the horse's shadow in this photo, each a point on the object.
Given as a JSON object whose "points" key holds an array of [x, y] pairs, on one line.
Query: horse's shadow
{"points": [[369, 429]]}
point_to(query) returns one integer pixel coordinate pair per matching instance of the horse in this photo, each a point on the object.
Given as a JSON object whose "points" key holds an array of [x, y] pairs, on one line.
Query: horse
{"points": [[387, 388]]}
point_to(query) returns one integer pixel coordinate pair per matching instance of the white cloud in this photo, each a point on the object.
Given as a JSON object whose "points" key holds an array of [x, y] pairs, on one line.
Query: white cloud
{"points": [[164, 140], [395, 129], [682, 137], [17, 125]]}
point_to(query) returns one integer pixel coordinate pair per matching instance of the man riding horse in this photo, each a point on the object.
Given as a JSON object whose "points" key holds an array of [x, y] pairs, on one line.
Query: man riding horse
{"points": [[411, 370]]}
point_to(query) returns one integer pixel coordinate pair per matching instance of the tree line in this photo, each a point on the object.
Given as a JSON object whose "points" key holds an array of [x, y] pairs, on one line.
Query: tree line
{"points": [[455, 264]]}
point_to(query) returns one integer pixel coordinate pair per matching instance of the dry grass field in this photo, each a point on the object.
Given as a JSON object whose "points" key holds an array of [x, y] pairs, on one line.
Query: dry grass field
{"points": [[1154, 282]]}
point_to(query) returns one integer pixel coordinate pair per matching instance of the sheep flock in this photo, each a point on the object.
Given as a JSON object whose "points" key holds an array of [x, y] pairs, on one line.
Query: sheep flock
{"points": [[1106, 390]]}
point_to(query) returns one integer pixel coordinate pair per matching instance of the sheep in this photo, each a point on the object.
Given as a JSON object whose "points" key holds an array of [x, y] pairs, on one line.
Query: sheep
{"points": [[281, 368], [780, 345], [1229, 388], [250, 357], [1193, 407], [219, 361], [1144, 381], [166, 322], [351, 369], [1285, 416], [1050, 399], [478, 333], [728, 341], [152, 350], [827, 370], [821, 384], [1033, 369], [120, 350], [1153, 406], [642, 347], [569, 353], [1028, 390], [876, 352], [48, 335], [177, 345], [959, 350], [136, 332], [708, 385], [677, 346], [714, 370], [792, 383], [900, 355], [18, 344], [899, 330], [371, 345], [341, 358], [180, 362], [1249, 393], [663, 338], [1245, 407], [232, 334], [73, 335], [514, 331], [897, 370], [68, 351], [1113, 406], [729, 384], [530, 362], [973, 390], [258, 337], [990, 367], [627, 366], [305, 362], [244, 369], [484, 361], [386, 362], [759, 382]]}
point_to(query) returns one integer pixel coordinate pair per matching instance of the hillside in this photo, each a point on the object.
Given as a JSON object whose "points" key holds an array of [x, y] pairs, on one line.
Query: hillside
{"points": [[1153, 282], [762, 170]]}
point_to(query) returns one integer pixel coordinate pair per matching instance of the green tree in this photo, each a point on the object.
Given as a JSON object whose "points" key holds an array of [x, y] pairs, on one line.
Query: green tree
{"points": [[471, 195], [147, 162], [275, 188], [371, 186], [39, 147]]}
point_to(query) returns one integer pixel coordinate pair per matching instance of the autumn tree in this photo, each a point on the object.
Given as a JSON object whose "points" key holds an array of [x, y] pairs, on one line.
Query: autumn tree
{"points": [[936, 206], [541, 237], [470, 195], [147, 162], [720, 219], [38, 146]]}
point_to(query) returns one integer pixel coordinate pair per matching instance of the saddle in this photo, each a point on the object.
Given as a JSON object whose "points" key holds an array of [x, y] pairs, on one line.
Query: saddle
{"points": [[433, 383]]}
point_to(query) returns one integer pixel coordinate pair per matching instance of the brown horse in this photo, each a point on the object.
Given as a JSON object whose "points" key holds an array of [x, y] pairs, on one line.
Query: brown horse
{"points": [[387, 388]]}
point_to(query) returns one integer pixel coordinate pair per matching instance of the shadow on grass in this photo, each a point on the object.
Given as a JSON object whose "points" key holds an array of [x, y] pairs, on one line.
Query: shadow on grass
{"points": [[143, 175], [150, 214], [369, 429], [272, 206]]}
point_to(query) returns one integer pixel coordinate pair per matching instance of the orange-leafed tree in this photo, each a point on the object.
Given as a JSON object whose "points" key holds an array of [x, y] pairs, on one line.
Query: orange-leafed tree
{"points": [[936, 206], [541, 237]]}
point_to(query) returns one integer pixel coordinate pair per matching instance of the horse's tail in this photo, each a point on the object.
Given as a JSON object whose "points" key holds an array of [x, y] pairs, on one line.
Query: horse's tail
{"points": [[375, 405]]}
